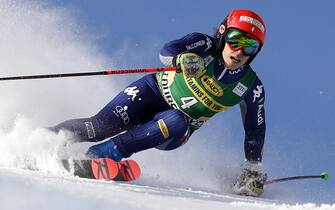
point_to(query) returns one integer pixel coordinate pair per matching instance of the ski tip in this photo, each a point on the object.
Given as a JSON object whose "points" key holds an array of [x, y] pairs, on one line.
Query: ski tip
{"points": [[324, 175]]}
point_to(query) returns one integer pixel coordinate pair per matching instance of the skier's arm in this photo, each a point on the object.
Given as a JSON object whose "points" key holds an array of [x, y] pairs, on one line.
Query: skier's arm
{"points": [[197, 43], [253, 115]]}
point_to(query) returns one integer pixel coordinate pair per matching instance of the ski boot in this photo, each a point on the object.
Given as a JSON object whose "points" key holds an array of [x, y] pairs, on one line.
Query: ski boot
{"points": [[251, 180], [104, 150]]}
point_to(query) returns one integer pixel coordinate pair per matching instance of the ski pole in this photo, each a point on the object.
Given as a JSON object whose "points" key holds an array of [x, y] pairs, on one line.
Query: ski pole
{"points": [[107, 72], [323, 176]]}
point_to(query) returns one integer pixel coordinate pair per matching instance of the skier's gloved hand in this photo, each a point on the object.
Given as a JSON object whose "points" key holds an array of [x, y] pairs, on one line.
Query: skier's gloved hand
{"points": [[191, 64], [251, 180]]}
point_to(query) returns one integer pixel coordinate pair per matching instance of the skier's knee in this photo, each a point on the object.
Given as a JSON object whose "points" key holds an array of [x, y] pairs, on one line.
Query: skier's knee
{"points": [[174, 127]]}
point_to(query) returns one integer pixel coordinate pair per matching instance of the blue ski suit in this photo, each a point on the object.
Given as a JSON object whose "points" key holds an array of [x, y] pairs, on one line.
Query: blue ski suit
{"points": [[140, 118]]}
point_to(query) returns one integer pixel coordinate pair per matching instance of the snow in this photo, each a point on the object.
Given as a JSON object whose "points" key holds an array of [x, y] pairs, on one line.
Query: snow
{"points": [[21, 189], [37, 38]]}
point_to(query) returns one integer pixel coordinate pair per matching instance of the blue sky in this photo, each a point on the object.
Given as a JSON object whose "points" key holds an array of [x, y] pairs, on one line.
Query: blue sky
{"points": [[296, 64]]}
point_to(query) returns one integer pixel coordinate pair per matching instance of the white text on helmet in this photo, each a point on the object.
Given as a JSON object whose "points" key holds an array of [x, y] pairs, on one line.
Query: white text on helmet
{"points": [[252, 21]]}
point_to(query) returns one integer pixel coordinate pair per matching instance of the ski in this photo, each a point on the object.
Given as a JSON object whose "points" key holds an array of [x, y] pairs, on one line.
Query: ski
{"points": [[104, 169], [323, 176]]}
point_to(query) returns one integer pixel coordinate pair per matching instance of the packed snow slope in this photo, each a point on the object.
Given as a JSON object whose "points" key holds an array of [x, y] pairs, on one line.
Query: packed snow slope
{"points": [[36, 190], [39, 37]]}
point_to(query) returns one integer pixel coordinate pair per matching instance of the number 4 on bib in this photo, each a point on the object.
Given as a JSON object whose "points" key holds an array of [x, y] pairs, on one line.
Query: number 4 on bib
{"points": [[188, 102]]}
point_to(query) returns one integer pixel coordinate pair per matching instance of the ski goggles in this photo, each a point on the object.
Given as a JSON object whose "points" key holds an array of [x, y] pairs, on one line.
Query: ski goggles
{"points": [[237, 39]]}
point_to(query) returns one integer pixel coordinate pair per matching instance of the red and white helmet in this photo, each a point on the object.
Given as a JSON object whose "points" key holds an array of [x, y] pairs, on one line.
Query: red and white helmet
{"points": [[244, 20]]}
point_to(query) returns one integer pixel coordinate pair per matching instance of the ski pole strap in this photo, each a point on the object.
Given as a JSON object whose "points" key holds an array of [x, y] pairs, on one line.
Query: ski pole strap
{"points": [[107, 72]]}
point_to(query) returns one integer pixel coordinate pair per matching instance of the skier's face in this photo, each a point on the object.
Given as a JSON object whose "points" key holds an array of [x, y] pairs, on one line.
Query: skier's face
{"points": [[233, 59]]}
